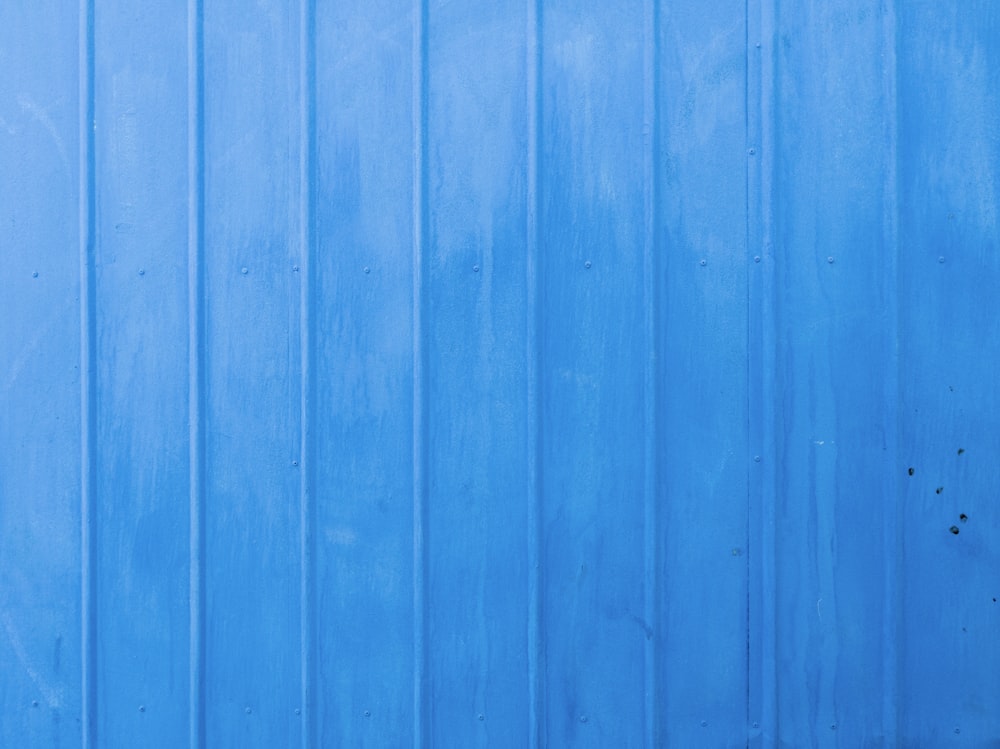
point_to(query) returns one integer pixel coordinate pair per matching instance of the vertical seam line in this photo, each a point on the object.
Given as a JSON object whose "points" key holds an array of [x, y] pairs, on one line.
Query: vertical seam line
{"points": [[196, 389], [88, 378], [533, 367], [651, 309], [419, 81], [307, 135]]}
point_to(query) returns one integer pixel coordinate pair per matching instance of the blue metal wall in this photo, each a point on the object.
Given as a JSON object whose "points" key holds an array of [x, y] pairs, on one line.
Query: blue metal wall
{"points": [[499, 373]]}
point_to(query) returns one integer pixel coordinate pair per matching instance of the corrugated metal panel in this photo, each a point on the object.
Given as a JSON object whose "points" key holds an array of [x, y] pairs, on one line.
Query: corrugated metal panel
{"points": [[508, 373]]}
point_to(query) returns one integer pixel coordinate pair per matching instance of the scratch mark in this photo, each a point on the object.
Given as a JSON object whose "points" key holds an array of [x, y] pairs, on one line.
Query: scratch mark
{"points": [[42, 116], [52, 696]]}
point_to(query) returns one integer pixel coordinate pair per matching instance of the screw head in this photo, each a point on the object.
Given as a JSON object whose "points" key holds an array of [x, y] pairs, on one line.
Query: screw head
{"points": [[248, 711], [298, 711], [368, 713], [941, 259], [295, 463], [295, 268], [475, 268], [35, 274], [702, 263], [587, 265], [756, 459], [704, 724], [583, 718], [830, 260], [142, 272], [752, 151], [367, 269], [142, 708], [244, 270], [34, 703], [756, 258], [481, 716]]}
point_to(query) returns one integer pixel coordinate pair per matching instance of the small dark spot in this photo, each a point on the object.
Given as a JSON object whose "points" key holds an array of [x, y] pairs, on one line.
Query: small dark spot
{"points": [[961, 450], [954, 529], [963, 517], [951, 389], [911, 471], [994, 600], [964, 629], [939, 490]]}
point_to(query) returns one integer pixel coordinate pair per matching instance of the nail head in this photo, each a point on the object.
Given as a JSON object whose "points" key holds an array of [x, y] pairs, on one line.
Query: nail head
{"points": [[475, 268]]}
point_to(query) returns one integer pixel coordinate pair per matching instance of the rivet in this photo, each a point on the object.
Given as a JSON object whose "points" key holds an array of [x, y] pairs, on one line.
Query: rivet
{"points": [[756, 459], [704, 724], [367, 269], [248, 711], [756, 258], [244, 270], [958, 730], [833, 726], [368, 713], [583, 718], [35, 274], [758, 45], [830, 259], [586, 264], [142, 272], [481, 716], [295, 462], [941, 259], [142, 708], [298, 711], [475, 268], [34, 703], [703, 263], [752, 151]]}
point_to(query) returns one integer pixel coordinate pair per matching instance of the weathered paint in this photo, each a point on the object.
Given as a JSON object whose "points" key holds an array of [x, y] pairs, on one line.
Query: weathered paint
{"points": [[499, 373]]}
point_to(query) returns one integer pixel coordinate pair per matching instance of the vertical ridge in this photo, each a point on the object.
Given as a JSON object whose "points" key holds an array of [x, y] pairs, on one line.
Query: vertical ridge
{"points": [[890, 524], [88, 379], [761, 362], [533, 362], [196, 390], [651, 310], [307, 135], [768, 537], [419, 73]]}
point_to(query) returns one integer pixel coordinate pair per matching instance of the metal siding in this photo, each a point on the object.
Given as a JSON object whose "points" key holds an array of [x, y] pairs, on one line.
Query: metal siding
{"points": [[499, 374]]}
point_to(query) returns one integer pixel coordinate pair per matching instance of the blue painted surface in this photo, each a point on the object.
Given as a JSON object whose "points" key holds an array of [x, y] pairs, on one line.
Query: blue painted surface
{"points": [[499, 374]]}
